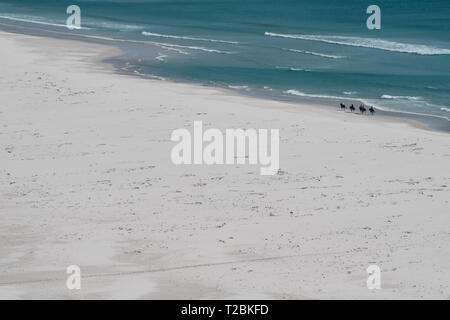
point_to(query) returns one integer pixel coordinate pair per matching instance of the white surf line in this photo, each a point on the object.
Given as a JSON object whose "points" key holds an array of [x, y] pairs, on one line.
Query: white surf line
{"points": [[371, 43], [292, 69], [152, 34], [167, 46], [370, 102], [42, 22], [389, 97], [97, 37], [315, 53], [189, 47], [161, 57], [295, 92]]}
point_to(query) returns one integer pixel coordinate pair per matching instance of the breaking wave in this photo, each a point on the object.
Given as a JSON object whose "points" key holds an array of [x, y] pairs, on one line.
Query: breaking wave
{"points": [[386, 96], [302, 94], [33, 20], [293, 69], [169, 45], [152, 34], [367, 43], [316, 54]]}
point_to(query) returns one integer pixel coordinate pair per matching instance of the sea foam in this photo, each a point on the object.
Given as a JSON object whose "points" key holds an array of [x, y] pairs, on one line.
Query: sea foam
{"points": [[33, 20], [386, 96], [367, 43], [302, 94], [170, 45], [316, 54], [152, 34]]}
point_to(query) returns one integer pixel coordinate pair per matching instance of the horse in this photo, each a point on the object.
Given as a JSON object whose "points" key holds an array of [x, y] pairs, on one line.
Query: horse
{"points": [[352, 108], [343, 106], [372, 110], [362, 109]]}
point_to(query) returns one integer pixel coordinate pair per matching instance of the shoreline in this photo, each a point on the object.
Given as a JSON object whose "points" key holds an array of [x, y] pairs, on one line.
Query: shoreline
{"points": [[87, 180], [422, 121]]}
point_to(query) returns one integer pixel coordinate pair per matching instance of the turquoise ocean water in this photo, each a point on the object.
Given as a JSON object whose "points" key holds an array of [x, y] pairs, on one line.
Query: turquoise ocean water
{"points": [[285, 48]]}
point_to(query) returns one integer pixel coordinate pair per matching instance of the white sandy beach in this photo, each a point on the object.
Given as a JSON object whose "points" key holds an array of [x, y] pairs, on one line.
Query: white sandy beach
{"points": [[86, 178]]}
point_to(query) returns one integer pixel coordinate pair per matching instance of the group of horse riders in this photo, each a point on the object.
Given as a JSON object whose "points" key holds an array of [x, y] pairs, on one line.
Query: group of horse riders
{"points": [[362, 108]]}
